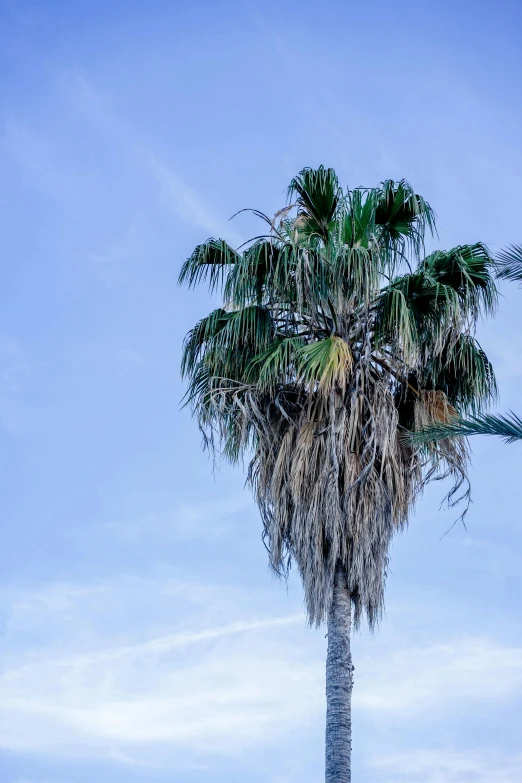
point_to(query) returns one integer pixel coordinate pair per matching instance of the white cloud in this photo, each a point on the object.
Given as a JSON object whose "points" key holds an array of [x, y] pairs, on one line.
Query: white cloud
{"points": [[212, 688], [165, 671], [443, 766], [177, 194], [39, 154], [188, 204], [234, 680], [419, 679]]}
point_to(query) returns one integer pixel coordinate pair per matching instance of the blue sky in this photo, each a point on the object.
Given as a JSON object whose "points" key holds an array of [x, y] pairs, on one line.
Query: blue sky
{"points": [[142, 636]]}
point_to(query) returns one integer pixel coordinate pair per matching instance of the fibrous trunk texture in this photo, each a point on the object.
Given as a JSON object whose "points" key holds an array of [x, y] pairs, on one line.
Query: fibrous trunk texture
{"points": [[339, 684]]}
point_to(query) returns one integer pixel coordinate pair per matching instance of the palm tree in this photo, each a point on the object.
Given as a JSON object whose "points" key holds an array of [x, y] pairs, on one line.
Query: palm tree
{"points": [[508, 427], [336, 339]]}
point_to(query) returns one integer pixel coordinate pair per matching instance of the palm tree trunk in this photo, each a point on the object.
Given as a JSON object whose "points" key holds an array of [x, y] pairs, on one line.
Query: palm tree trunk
{"points": [[339, 684]]}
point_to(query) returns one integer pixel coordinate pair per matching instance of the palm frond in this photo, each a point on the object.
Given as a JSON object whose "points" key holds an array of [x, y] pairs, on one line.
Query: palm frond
{"points": [[395, 322], [403, 218], [508, 427], [277, 366], [325, 364], [249, 328], [467, 269], [247, 279], [464, 373], [433, 409], [357, 221], [318, 195], [509, 263], [355, 273], [211, 260], [205, 330], [228, 348]]}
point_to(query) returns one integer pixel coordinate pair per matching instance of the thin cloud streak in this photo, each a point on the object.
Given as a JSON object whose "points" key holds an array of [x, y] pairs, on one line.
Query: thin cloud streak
{"points": [[215, 689], [177, 194], [171, 642], [186, 202], [38, 154], [194, 688]]}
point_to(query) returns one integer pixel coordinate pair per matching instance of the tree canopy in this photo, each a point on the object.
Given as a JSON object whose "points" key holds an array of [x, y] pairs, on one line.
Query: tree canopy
{"points": [[337, 338]]}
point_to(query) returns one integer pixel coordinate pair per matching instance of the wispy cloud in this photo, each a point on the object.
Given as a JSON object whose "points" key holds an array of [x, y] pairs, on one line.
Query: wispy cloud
{"points": [[421, 679], [38, 153], [176, 193], [139, 670], [235, 681], [208, 689], [446, 766], [187, 203], [178, 641]]}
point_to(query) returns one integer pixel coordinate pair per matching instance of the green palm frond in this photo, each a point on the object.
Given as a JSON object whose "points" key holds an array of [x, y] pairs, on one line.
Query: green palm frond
{"points": [[251, 325], [430, 307], [355, 272], [509, 263], [250, 274], [467, 269], [204, 332], [199, 391], [427, 298], [225, 343], [395, 321], [464, 373], [325, 364], [508, 427], [209, 261], [276, 366], [403, 218], [318, 195], [357, 221], [434, 309]]}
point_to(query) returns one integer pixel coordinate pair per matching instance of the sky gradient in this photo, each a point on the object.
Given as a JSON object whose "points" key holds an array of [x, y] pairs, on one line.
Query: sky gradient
{"points": [[142, 637]]}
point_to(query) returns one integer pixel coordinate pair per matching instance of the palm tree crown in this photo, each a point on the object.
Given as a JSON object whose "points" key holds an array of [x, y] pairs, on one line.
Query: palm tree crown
{"points": [[336, 339]]}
